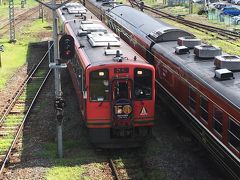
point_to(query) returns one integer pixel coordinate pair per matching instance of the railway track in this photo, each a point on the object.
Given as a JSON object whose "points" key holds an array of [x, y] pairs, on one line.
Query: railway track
{"points": [[16, 112], [219, 33], [3, 20], [4, 28], [127, 167]]}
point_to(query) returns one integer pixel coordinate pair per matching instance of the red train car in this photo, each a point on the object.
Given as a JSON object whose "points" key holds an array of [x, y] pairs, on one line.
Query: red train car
{"points": [[196, 80], [115, 86]]}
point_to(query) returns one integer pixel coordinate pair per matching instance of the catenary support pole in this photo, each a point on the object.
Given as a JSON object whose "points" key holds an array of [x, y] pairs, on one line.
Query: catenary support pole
{"points": [[11, 21]]}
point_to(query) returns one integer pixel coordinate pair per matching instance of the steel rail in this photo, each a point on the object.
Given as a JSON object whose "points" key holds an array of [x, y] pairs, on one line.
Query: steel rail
{"points": [[22, 123], [19, 128], [114, 170], [6, 106], [20, 18], [5, 21], [220, 31], [22, 86]]}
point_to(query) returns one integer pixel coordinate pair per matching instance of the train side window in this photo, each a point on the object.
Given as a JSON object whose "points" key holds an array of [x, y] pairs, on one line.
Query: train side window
{"points": [[142, 83], [204, 109], [217, 121], [234, 134], [99, 85], [192, 99]]}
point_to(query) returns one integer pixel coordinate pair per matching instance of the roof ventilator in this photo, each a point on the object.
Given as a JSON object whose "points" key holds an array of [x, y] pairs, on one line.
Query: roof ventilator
{"points": [[118, 57], [223, 74], [207, 51], [110, 51], [81, 17], [83, 33], [87, 27], [189, 41], [75, 8], [93, 27], [100, 39], [86, 22], [167, 34], [182, 50], [229, 62]]}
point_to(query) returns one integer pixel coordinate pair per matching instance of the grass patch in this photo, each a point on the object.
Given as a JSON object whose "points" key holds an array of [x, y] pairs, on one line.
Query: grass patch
{"points": [[119, 163], [12, 61], [73, 151], [154, 3], [17, 6], [63, 173], [152, 147], [176, 10], [156, 174], [76, 161], [14, 118], [5, 142], [40, 73]]}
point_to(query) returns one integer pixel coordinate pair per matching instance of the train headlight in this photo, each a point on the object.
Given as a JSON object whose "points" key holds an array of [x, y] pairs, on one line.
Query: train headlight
{"points": [[139, 72], [101, 73]]}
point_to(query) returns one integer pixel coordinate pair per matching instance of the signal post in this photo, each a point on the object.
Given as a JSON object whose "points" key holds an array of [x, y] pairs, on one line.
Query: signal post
{"points": [[57, 66]]}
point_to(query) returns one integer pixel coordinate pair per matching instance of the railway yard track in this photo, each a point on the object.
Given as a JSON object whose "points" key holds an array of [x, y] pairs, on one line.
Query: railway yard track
{"points": [[15, 113], [215, 32], [127, 168], [19, 18]]}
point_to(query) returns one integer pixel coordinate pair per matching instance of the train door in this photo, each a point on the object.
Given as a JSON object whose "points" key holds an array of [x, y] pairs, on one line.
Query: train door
{"points": [[122, 110]]}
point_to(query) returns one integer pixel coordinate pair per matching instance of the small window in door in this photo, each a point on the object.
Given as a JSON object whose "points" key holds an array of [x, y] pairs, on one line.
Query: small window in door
{"points": [[121, 90]]}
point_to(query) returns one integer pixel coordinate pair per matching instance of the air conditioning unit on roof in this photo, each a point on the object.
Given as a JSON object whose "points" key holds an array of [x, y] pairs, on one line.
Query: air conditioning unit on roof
{"points": [[229, 62], [207, 51], [223, 74], [181, 50], [189, 41]]}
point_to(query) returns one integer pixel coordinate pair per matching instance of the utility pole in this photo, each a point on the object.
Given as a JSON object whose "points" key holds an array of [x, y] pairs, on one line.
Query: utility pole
{"points": [[190, 6], [11, 21], [1, 50], [41, 12], [22, 3], [59, 103]]}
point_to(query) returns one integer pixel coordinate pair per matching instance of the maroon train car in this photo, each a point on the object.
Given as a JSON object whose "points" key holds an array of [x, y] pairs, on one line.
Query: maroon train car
{"points": [[198, 81], [115, 86]]}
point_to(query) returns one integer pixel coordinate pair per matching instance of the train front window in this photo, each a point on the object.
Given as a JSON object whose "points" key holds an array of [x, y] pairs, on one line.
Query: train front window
{"points": [[142, 84], [99, 85], [234, 134]]}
